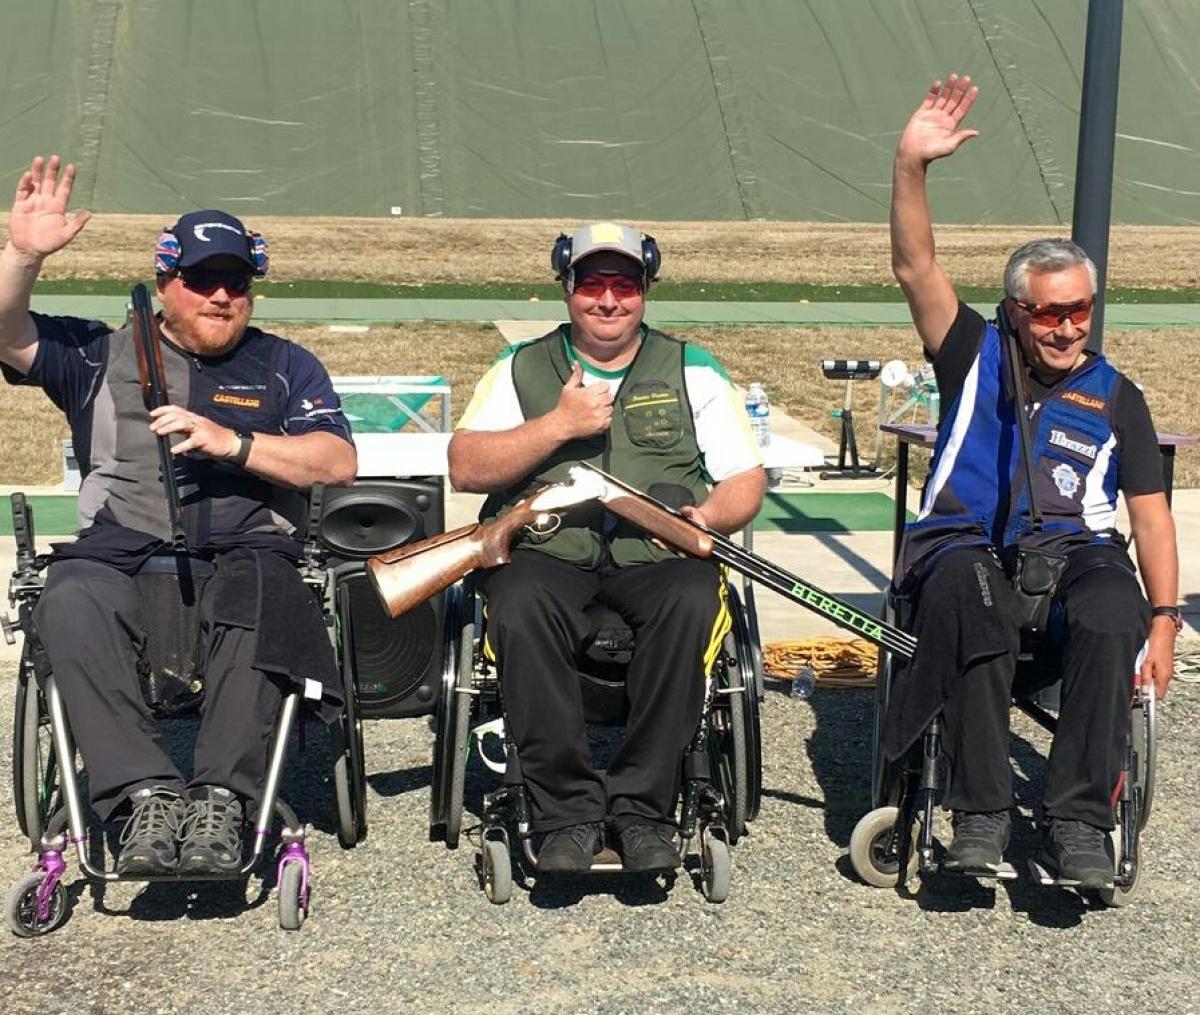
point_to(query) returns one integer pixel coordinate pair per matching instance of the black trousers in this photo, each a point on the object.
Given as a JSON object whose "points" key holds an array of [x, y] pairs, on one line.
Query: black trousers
{"points": [[1105, 620], [90, 620], [537, 631]]}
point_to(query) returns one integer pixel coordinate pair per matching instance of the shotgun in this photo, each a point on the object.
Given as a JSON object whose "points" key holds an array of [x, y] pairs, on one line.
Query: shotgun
{"points": [[153, 379], [675, 530], [409, 575]]}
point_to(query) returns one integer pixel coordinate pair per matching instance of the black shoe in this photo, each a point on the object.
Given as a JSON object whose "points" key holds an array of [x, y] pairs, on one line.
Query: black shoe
{"points": [[648, 847], [210, 838], [1078, 852], [569, 850], [979, 840], [148, 840]]}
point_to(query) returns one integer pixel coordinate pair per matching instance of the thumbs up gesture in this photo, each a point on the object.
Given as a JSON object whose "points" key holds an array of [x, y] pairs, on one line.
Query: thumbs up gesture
{"points": [[584, 411]]}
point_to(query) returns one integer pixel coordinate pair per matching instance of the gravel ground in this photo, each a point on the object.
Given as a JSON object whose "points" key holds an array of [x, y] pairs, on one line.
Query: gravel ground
{"points": [[400, 924]]}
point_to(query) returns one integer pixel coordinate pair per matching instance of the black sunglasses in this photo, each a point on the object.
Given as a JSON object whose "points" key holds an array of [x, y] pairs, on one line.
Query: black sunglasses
{"points": [[208, 280]]}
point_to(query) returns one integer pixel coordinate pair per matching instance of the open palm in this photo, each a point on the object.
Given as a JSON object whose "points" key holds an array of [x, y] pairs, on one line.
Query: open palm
{"points": [[39, 224], [934, 130]]}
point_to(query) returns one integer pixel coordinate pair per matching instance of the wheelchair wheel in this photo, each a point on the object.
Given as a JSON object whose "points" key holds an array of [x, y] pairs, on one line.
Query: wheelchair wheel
{"points": [[1116, 897], [1143, 729], [21, 906], [497, 871], [293, 897], [453, 721], [749, 664], [35, 761], [715, 869], [346, 744], [873, 855], [727, 753]]}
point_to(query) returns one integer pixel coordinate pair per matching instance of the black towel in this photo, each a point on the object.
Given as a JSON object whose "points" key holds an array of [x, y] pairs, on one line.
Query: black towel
{"points": [[964, 616], [262, 591]]}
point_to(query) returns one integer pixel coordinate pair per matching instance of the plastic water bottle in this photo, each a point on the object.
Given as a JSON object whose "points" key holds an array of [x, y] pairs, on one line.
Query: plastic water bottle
{"points": [[758, 408], [803, 683]]}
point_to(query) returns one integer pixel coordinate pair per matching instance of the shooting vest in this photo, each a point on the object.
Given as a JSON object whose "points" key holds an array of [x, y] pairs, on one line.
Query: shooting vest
{"points": [[652, 439], [976, 492], [223, 505]]}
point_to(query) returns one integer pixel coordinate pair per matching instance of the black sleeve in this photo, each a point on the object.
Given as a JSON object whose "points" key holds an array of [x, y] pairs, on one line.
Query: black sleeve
{"points": [[1139, 461], [958, 351]]}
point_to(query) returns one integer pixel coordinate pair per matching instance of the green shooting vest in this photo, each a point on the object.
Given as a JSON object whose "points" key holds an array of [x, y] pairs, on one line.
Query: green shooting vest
{"points": [[651, 439]]}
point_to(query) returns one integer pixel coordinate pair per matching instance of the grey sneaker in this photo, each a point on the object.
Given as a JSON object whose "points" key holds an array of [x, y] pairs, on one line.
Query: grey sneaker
{"points": [[979, 840], [148, 840], [1078, 852], [210, 838]]}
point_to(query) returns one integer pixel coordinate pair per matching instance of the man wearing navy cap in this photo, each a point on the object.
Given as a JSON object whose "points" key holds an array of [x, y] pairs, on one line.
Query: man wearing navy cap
{"points": [[661, 415], [253, 422]]}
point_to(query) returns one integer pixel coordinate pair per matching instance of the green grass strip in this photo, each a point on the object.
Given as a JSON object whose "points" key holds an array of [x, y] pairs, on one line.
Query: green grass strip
{"points": [[53, 515], [826, 512]]}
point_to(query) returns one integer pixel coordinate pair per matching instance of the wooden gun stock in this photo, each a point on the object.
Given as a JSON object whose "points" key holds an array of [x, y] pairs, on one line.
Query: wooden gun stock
{"points": [[409, 575]]}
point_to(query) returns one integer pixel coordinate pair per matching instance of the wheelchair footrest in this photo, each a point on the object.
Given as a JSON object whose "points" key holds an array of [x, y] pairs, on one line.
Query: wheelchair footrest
{"points": [[1003, 871], [1048, 879]]}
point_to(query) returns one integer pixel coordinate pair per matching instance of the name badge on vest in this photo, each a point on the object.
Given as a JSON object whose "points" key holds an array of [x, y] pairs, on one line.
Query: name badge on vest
{"points": [[652, 413]]}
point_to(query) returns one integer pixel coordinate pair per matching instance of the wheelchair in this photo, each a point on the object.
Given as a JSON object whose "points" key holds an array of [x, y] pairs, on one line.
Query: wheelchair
{"points": [[894, 841], [721, 784], [50, 810]]}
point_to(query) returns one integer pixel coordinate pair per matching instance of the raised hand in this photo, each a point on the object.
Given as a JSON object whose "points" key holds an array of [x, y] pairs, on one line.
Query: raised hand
{"points": [[584, 412], [934, 130], [38, 224]]}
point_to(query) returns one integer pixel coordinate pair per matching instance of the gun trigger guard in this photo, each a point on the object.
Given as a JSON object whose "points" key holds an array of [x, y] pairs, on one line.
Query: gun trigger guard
{"points": [[545, 523]]}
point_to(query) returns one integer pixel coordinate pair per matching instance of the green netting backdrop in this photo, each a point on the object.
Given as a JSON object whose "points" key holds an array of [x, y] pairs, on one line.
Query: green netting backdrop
{"points": [[638, 109]]}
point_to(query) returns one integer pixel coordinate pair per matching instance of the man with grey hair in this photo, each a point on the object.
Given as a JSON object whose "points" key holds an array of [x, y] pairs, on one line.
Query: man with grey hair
{"points": [[605, 388], [963, 578]]}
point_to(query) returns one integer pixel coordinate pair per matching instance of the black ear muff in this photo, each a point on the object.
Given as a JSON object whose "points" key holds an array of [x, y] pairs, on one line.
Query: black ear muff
{"points": [[560, 256], [651, 258]]}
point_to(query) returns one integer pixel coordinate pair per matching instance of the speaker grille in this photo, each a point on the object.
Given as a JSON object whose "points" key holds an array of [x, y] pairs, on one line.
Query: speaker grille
{"points": [[394, 659]]}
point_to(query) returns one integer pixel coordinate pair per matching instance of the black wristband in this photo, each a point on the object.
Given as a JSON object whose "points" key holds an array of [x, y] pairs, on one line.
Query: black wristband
{"points": [[243, 451], [1169, 611]]}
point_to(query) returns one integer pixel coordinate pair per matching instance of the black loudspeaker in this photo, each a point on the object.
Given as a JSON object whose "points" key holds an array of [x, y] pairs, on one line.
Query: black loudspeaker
{"points": [[397, 662]]}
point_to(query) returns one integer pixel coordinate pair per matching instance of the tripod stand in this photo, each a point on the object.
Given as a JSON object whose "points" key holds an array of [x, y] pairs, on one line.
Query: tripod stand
{"points": [[850, 370]]}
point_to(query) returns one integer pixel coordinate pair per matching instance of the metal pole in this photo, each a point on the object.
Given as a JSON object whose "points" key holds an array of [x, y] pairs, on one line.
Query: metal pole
{"points": [[1097, 137]]}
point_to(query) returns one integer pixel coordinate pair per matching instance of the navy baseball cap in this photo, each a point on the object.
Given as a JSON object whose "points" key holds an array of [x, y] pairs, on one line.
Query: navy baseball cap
{"points": [[205, 234]]}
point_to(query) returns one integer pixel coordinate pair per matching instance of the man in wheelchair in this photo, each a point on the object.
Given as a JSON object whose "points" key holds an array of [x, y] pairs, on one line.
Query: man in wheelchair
{"points": [[650, 409], [1007, 544], [253, 422]]}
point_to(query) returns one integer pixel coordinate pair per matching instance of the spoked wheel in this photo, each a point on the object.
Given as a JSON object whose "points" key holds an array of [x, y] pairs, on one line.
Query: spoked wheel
{"points": [[715, 868], [35, 761], [727, 755], [874, 853], [497, 871], [749, 666], [453, 722], [293, 897], [346, 745], [1143, 729], [21, 907]]}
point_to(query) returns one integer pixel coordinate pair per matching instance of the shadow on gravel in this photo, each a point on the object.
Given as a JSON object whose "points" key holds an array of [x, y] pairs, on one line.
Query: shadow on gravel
{"points": [[632, 890], [402, 780], [840, 752]]}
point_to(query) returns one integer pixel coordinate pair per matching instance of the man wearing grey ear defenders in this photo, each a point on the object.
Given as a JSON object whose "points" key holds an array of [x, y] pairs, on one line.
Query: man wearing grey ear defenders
{"points": [[253, 422], [1090, 437]]}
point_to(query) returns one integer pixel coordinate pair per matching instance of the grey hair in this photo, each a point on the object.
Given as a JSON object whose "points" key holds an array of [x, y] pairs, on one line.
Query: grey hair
{"points": [[1048, 254]]}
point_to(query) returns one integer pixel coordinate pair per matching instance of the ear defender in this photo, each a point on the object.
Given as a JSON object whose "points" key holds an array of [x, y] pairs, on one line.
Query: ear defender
{"points": [[166, 253], [560, 260], [651, 259], [260, 254]]}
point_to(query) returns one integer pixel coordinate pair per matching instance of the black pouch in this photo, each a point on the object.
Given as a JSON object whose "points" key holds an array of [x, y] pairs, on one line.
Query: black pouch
{"points": [[1035, 575]]}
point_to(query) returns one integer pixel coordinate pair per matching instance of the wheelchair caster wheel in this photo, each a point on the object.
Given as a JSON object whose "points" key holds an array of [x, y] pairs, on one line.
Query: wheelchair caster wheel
{"points": [[715, 869], [497, 871], [873, 855], [293, 897], [1116, 897], [21, 906]]}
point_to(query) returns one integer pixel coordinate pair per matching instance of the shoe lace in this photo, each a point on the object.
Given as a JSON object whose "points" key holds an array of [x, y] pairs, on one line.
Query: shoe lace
{"points": [[153, 816], [210, 819], [584, 835]]}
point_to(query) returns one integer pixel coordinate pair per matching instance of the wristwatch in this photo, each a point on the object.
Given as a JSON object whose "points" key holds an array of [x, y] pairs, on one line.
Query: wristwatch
{"points": [[1169, 611], [245, 439]]}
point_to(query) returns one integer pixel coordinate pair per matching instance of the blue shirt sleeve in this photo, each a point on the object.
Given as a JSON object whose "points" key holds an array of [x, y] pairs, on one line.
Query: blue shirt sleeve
{"points": [[69, 362], [309, 402]]}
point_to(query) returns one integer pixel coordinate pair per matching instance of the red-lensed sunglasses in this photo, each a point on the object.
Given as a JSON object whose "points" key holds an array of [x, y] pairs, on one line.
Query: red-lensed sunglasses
{"points": [[1051, 315], [621, 286], [207, 281]]}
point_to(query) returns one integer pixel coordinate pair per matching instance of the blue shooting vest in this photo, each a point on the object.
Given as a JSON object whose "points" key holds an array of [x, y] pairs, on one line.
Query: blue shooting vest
{"points": [[976, 493]]}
